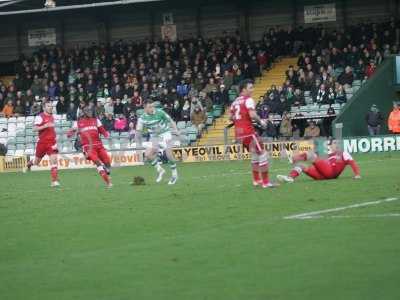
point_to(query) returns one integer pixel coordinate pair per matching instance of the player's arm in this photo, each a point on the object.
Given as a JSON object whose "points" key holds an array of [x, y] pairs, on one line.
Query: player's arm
{"points": [[38, 127], [251, 107], [256, 118], [353, 165], [102, 130], [171, 122]]}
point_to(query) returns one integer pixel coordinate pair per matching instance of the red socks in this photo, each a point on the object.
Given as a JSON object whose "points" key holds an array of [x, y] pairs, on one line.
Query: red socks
{"points": [[105, 177], [256, 172], [265, 178], [296, 172]]}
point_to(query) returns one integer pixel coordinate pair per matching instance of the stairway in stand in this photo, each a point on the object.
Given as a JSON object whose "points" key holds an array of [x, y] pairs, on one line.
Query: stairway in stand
{"points": [[275, 76]]}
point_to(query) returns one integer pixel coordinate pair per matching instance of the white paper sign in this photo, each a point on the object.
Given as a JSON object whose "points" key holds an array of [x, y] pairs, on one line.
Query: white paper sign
{"points": [[168, 33], [320, 13], [44, 36]]}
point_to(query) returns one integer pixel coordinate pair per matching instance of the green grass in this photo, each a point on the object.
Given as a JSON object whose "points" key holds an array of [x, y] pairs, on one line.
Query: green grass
{"points": [[212, 236]]}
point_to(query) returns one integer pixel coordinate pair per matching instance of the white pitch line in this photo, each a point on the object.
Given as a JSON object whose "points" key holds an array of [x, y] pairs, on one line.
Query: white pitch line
{"points": [[313, 214], [375, 216]]}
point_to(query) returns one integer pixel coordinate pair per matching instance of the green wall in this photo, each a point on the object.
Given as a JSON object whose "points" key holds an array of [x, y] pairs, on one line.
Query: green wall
{"points": [[379, 90]]}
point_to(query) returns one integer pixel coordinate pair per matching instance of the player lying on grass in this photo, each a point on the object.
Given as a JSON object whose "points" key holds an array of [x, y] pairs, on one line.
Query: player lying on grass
{"points": [[46, 144], [321, 169], [243, 114], [159, 125], [89, 129]]}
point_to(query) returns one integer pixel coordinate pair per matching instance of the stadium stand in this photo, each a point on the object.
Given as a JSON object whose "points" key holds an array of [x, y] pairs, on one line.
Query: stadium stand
{"points": [[116, 79]]}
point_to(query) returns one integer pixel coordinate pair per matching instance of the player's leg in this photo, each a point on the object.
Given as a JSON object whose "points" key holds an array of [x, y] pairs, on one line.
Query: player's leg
{"points": [[166, 145], [105, 159], [257, 147], [324, 167], [54, 169], [302, 156], [40, 152], [310, 171], [255, 168], [151, 156], [92, 155]]}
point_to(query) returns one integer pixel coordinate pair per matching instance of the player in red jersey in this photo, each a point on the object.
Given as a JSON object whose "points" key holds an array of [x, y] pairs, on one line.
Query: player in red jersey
{"points": [[47, 144], [89, 129], [243, 114], [322, 169]]}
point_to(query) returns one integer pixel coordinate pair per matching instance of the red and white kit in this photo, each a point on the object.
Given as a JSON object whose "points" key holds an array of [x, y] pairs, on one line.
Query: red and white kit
{"points": [[246, 134], [46, 143], [89, 130], [329, 168], [244, 129]]}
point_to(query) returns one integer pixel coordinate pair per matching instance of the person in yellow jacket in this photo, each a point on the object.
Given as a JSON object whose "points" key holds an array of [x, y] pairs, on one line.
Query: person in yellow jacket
{"points": [[394, 119]]}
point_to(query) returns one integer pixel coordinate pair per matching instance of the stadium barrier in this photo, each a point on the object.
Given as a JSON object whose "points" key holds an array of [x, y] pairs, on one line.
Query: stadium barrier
{"points": [[12, 164], [385, 143], [78, 161], [237, 152]]}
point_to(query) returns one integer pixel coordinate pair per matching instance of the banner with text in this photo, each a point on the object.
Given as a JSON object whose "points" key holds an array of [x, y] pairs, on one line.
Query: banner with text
{"points": [[372, 144], [78, 160], [44, 36], [320, 13], [237, 152]]}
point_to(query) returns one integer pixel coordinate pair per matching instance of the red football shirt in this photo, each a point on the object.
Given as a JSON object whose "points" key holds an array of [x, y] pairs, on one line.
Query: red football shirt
{"points": [[339, 160], [47, 135], [89, 130], [241, 117]]}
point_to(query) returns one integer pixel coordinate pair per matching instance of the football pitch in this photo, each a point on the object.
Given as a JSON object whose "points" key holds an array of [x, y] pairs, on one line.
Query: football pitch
{"points": [[212, 236]]}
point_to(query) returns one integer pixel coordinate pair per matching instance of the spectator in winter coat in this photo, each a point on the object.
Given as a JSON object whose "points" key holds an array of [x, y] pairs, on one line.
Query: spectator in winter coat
{"points": [[285, 129], [198, 118], [72, 112], [394, 119], [374, 120], [312, 130], [347, 77], [8, 110], [370, 69], [62, 106]]}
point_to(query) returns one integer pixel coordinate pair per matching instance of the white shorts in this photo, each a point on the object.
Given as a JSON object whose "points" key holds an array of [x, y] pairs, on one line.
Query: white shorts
{"points": [[161, 142]]}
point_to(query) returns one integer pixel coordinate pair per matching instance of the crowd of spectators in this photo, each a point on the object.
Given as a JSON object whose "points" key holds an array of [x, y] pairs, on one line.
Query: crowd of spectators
{"points": [[328, 64], [189, 77]]}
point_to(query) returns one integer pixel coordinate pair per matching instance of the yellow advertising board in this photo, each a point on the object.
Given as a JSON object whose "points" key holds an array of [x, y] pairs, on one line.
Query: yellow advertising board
{"points": [[237, 152]]}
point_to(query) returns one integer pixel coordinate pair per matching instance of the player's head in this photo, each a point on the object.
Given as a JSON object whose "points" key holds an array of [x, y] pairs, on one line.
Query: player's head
{"points": [[333, 145], [148, 107], [246, 87], [87, 112], [48, 107]]}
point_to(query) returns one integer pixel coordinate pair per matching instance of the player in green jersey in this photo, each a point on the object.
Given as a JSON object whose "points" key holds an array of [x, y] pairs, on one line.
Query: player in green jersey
{"points": [[160, 127]]}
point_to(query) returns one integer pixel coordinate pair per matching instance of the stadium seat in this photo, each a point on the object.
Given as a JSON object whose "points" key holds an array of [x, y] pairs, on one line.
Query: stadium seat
{"points": [[124, 134], [67, 147], [19, 152], [192, 137], [217, 113], [114, 134], [124, 143], [29, 119], [10, 152], [66, 123], [181, 125]]}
